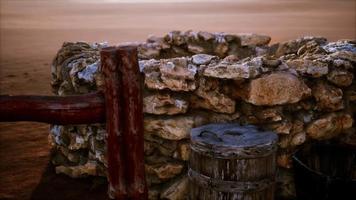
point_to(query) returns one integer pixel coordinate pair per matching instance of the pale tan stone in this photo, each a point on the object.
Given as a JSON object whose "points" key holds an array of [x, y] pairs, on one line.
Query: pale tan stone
{"points": [[159, 104], [276, 89], [329, 126], [328, 97], [164, 171]]}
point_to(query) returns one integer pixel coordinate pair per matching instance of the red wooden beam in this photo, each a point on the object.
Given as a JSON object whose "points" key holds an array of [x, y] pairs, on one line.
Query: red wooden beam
{"points": [[114, 124], [133, 122], [63, 110]]}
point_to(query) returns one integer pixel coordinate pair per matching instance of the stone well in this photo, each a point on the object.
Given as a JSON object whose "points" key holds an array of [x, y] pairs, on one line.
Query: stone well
{"points": [[303, 89]]}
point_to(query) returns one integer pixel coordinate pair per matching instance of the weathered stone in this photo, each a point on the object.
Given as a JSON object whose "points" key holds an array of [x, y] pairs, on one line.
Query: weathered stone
{"points": [[164, 171], [240, 70], [196, 49], [341, 64], [328, 97], [159, 104], [183, 151], [221, 49], [276, 89], [270, 62], [284, 160], [329, 126], [220, 118], [298, 139], [89, 169], [310, 48], [345, 55], [202, 59], [292, 46], [178, 190], [175, 38], [270, 114], [175, 74], [298, 126], [206, 35], [340, 78], [283, 127], [313, 68], [98, 156], [175, 128], [149, 50], [165, 147], [75, 157], [209, 97], [341, 45], [248, 39], [77, 141]]}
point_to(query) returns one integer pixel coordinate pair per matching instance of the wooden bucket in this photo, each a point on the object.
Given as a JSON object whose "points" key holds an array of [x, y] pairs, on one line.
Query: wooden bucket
{"points": [[229, 161]]}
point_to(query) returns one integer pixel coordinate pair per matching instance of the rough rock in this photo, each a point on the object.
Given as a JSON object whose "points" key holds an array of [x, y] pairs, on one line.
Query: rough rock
{"points": [[248, 39], [175, 38], [328, 97], [183, 151], [329, 126], [270, 114], [284, 160], [298, 139], [344, 55], [164, 171], [310, 48], [174, 128], [209, 97], [283, 127], [244, 69], [313, 68], [292, 46], [175, 74], [89, 169], [340, 78], [159, 104], [149, 50], [341, 45], [177, 190], [202, 59], [276, 89]]}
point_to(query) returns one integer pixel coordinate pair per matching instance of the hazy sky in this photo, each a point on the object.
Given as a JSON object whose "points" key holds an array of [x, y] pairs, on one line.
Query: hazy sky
{"points": [[147, 1]]}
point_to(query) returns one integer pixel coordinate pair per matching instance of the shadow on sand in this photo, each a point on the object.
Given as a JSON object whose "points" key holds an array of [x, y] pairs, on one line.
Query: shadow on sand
{"points": [[61, 187]]}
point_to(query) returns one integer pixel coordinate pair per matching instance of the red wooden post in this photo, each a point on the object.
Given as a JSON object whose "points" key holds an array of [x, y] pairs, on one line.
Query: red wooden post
{"points": [[133, 120], [124, 113], [114, 123], [78, 109]]}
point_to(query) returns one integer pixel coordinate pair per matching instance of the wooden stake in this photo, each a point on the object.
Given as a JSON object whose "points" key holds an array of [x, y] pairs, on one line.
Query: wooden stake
{"points": [[133, 120], [114, 126]]}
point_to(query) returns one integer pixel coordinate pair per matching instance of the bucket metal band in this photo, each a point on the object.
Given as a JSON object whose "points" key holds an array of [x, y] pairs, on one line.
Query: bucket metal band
{"points": [[229, 186], [233, 152]]}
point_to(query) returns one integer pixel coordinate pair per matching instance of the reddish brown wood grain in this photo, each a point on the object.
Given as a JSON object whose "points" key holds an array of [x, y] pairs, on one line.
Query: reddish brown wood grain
{"points": [[53, 109], [114, 124], [133, 122]]}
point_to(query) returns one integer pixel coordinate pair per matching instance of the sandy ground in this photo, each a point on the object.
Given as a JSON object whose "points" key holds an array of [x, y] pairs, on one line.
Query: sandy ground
{"points": [[33, 30]]}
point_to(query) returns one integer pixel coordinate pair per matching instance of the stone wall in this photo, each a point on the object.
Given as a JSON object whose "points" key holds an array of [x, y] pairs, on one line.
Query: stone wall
{"points": [[303, 89]]}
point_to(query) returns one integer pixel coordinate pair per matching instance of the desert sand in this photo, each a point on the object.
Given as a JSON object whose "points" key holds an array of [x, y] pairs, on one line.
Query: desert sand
{"points": [[33, 30]]}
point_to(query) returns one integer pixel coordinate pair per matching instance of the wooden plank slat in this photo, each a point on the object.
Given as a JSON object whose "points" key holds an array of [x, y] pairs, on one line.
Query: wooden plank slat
{"points": [[60, 110]]}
